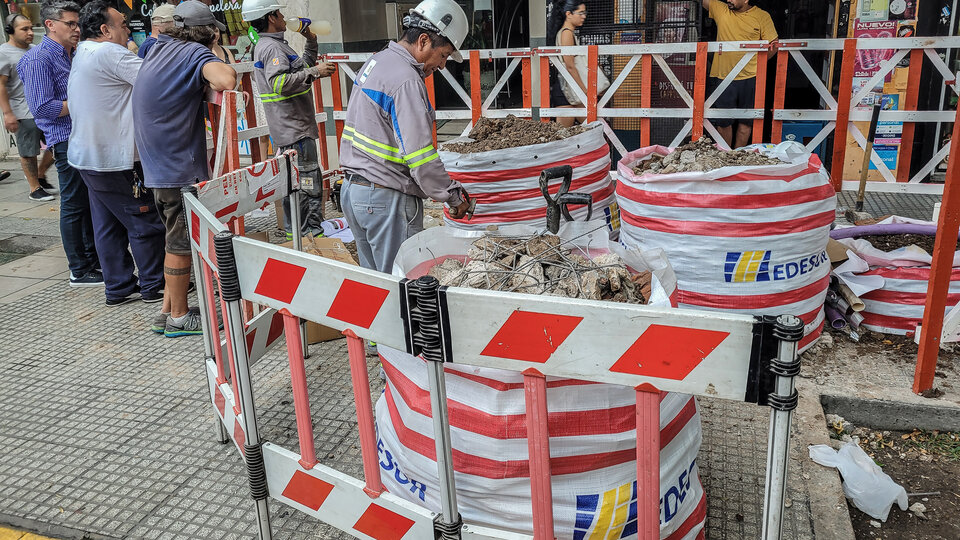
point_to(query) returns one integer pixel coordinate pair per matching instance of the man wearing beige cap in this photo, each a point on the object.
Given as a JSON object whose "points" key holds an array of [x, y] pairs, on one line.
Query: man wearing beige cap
{"points": [[160, 20]]}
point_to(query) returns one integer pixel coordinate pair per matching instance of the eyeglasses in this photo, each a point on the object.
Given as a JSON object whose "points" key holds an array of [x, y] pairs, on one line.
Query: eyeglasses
{"points": [[73, 25]]}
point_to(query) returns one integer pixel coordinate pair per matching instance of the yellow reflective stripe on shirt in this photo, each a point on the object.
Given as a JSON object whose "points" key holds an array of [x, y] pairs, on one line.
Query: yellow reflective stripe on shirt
{"points": [[410, 157], [364, 138], [278, 87], [272, 98], [369, 150], [431, 157]]}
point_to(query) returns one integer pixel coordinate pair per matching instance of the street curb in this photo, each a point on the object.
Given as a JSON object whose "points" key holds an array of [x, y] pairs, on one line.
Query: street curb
{"points": [[892, 415], [828, 505], [50, 529]]}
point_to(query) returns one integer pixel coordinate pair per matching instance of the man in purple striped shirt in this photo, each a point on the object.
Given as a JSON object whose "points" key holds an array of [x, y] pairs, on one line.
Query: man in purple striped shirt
{"points": [[44, 71]]}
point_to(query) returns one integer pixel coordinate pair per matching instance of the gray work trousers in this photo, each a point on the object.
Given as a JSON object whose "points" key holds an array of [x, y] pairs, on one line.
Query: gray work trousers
{"points": [[311, 189], [380, 219]]}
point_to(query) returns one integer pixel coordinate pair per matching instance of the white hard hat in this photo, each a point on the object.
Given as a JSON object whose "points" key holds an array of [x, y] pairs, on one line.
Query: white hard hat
{"points": [[252, 10], [448, 17]]}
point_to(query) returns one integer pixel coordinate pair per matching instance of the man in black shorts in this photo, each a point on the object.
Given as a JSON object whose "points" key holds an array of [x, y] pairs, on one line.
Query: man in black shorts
{"points": [[16, 115]]}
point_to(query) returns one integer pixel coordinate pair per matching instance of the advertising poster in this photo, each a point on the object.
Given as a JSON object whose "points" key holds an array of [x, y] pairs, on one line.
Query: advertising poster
{"points": [[868, 60], [887, 154], [873, 10], [903, 9]]}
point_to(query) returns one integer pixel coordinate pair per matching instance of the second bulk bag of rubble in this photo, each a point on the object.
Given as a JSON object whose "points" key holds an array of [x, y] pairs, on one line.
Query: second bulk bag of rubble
{"points": [[592, 425], [745, 231], [500, 167]]}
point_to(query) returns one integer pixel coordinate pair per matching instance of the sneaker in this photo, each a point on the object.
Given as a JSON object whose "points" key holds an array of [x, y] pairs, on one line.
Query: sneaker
{"points": [[159, 323], [372, 349], [4, 175], [132, 297], [40, 195], [188, 325], [46, 185], [90, 279]]}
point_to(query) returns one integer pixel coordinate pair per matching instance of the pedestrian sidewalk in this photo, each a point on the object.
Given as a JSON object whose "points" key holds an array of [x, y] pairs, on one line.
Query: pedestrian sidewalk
{"points": [[108, 430]]}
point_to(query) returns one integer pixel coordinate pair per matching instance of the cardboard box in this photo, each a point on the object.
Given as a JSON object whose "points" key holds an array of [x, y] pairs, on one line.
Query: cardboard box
{"points": [[278, 209], [330, 248], [836, 251]]}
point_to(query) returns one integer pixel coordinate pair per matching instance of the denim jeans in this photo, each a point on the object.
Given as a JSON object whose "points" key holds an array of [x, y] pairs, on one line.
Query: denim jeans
{"points": [[76, 224], [380, 219]]}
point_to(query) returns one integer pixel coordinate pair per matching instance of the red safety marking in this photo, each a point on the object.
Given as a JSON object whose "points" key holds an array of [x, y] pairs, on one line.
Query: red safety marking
{"points": [[195, 227], [276, 328], [668, 352], [239, 435], [307, 490], [382, 524], [219, 400], [280, 280], [357, 303], [211, 250], [252, 169], [250, 339], [261, 195], [228, 210], [531, 336]]}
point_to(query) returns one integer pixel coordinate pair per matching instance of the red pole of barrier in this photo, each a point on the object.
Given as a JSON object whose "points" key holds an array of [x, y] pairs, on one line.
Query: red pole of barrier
{"points": [[906, 136], [212, 317], [544, 86], [843, 113], [365, 423], [475, 102], [593, 67], [298, 380], [646, 89], [525, 64], [538, 447], [232, 154], [321, 127], [431, 96], [779, 94], [648, 461], [940, 270], [337, 101], [760, 98], [699, 91]]}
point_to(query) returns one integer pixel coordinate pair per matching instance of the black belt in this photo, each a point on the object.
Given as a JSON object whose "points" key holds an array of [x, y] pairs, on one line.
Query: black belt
{"points": [[360, 181]]}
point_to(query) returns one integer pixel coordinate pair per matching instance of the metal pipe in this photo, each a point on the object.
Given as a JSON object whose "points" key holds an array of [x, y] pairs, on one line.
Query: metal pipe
{"points": [[789, 329], [301, 398], [441, 431], [296, 227], [366, 425]]}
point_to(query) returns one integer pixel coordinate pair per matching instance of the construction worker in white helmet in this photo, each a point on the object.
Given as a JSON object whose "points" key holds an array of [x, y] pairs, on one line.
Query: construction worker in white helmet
{"points": [[284, 81], [387, 151]]}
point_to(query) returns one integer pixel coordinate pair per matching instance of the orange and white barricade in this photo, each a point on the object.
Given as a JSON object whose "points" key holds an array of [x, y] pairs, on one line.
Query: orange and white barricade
{"points": [[646, 348]]}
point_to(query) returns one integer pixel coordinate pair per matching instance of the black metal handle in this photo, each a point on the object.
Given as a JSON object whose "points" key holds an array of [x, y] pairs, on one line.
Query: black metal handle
{"points": [[579, 199], [562, 171]]}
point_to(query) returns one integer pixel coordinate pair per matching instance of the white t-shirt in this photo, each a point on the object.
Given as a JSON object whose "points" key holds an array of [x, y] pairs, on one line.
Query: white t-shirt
{"points": [[98, 94]]}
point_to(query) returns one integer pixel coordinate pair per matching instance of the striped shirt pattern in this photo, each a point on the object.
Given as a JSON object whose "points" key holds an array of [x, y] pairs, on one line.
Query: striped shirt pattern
{"points": [[45, 70]]}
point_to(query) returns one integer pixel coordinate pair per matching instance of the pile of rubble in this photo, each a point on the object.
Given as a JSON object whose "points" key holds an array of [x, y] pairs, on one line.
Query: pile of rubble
{"points": [[540, 264], [701, 156], [511, 132]]}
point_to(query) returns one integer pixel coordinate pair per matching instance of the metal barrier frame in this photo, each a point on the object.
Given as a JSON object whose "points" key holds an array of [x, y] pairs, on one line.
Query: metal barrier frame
{"points": [[729, 356]]}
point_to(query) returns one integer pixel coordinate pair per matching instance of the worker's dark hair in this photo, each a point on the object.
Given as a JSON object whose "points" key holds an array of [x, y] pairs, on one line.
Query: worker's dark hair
{"points": [[92, 17], [413, 29], [205, 35], [261, 24], [51, 11], [557, 15]]}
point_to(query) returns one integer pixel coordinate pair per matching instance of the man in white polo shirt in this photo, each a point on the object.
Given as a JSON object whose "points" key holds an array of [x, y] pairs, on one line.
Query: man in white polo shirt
{"points": [[102, 148]]}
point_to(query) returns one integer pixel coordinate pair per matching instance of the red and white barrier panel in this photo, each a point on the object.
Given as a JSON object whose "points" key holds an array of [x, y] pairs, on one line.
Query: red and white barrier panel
{"points": [[261, 333], [226, 405], [202, 225], [241, 191], [328, 292]]}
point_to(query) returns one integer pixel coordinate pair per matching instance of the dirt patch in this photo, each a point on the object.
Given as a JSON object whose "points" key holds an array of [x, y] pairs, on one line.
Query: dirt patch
{"points": [[890, 242], [701, 156], [540, 264], [511, 132], [924, 463]]}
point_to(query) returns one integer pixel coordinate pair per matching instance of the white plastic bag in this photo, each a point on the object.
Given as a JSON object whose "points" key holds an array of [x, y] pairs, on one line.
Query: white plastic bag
{"points": [[864, 483]]}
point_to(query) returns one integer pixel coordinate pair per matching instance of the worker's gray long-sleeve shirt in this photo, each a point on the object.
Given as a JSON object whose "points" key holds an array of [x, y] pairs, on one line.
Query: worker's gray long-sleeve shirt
{"points": [[285, 89], [388, 133]]}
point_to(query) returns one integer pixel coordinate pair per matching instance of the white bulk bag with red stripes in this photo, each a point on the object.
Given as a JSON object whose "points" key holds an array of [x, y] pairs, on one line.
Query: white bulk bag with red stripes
{"points": [[592, 432], [897, 306], [506, 182], [741, 239]]}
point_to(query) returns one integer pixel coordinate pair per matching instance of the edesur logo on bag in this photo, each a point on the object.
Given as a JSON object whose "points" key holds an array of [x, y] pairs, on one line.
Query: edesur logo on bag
{"points": [[755, 266], [613, 513]]}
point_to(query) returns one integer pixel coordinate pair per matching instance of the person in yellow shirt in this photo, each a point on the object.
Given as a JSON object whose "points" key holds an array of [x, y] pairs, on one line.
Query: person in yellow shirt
{"points": [[737, 20]]}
